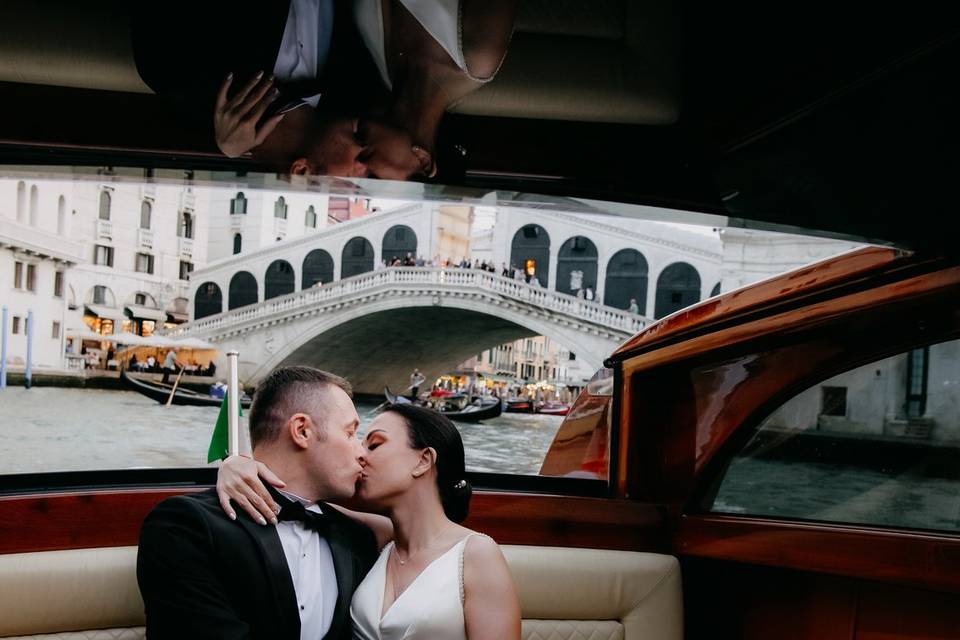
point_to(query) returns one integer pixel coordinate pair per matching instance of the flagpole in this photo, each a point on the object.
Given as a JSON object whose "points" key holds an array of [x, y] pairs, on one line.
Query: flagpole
{"points": [[233, 408]]}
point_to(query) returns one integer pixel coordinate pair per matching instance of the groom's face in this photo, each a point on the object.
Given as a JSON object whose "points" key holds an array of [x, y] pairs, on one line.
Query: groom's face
{"points": [[336, 456]]}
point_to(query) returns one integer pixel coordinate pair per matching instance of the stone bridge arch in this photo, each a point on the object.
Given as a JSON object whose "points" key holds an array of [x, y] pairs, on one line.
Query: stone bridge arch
{"points": [[379, 342]]}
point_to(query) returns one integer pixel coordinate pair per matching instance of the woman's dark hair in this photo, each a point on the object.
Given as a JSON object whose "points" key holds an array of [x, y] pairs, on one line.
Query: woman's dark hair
{"points": [[428, 428]]}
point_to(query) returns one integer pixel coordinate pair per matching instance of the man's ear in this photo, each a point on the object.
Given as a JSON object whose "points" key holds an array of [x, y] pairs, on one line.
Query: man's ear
{"points": [[300, 428], [300, 167], [428, 460]]}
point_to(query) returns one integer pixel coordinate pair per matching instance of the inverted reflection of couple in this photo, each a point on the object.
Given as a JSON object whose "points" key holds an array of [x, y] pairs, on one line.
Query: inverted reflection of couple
{"points": [[324, 87], [287, 564]]}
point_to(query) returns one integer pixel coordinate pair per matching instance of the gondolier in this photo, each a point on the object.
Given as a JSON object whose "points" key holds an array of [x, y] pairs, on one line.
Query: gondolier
{"points": [[169, 365], [416, 379]]}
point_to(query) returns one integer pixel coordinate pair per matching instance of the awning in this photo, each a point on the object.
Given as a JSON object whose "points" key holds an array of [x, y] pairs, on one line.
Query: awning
{"points": [[104, 311], [84, 333], [177, 317], [145, 313]]}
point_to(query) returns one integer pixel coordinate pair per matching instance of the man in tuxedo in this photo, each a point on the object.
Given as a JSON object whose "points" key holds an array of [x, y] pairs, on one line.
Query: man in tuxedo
{"points": [[309, 51], [205, 575]]}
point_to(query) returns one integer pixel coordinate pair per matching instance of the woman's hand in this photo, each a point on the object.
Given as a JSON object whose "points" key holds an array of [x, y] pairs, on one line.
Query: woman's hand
{"points": [[235, 120], [238, 479]]}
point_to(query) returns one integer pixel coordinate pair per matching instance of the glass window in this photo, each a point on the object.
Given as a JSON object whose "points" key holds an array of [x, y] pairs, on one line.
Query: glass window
{"points": [[238, 205], [146, 210], [280, 208], [311, 218], [58, 284], [876, 445], [17, 275], [185, 269], [144, 263], [31, 277], [55, 333], [103, 255], [186, 225], [99, 294], [104, 205], [237, 243], [16, 325]]}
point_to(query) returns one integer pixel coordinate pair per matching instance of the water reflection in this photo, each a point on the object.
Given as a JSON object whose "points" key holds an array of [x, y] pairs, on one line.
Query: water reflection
{"points": [[324, 87]]}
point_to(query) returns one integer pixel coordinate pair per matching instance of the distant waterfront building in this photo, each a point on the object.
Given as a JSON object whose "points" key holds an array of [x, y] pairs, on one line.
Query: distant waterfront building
{"points": [[125, 252]]}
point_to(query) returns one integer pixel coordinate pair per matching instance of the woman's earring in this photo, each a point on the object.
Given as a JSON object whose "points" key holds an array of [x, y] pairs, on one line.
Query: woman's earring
{"points": [[427, 165]]}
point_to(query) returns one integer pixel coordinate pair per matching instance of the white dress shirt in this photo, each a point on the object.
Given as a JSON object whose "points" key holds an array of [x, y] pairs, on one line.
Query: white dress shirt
{"points": [[306, 43], [311, 568]]}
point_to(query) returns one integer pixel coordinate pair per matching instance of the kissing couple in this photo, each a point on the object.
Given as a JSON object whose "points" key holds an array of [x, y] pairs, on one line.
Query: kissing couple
{"points": [[293, 563]]}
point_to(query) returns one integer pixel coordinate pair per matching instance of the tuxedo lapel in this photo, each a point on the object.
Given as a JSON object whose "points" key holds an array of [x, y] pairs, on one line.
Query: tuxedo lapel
{"points": [[278, 575], [344, 564]]}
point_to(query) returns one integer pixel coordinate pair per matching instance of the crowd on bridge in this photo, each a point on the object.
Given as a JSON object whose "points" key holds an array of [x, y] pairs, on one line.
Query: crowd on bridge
{"points": [[521, 275]]}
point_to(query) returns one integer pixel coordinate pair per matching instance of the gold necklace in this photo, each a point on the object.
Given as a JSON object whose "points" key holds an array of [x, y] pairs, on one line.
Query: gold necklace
{"points": [[396, 552]]}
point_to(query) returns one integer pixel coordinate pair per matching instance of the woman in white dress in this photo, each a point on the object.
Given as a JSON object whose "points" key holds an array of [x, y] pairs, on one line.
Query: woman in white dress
{"points": [[434, 579]]}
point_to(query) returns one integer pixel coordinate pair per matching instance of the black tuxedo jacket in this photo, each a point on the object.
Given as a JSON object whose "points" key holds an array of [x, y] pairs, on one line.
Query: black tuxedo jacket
{"points": [[203, 575], [184, 50]]}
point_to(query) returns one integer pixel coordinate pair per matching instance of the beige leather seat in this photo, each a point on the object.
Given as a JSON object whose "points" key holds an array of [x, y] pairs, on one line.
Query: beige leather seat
{"points": [[565, 594], [587, 60]]}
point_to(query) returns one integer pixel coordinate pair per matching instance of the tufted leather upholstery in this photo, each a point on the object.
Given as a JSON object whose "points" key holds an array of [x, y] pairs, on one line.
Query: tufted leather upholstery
{"points": [[565, 594], [586, 60]]}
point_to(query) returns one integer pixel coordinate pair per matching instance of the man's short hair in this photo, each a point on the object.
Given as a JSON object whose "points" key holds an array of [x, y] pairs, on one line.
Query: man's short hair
{"points": [[286, 391]]}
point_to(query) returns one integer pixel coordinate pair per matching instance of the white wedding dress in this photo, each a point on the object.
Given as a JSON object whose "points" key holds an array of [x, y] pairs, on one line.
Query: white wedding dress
{"points": [[431, 608]]}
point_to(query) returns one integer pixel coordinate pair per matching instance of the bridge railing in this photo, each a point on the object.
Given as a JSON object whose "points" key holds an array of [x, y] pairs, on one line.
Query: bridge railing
{"points": [[442, 278]]}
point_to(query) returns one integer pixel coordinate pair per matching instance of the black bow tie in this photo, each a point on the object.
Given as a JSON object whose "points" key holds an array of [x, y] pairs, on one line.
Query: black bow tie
{"points": [[291, 511]]}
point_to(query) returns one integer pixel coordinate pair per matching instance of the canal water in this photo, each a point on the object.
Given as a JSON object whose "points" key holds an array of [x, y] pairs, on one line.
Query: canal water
{"points": [[55, 429], [51, 429]]}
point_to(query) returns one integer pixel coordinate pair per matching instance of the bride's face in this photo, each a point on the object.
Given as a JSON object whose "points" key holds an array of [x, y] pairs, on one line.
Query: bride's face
{"points": [[390, 464]]}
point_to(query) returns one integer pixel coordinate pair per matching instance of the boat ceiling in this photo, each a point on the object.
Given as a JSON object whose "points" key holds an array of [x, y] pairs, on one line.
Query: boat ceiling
{"points": [[833, 118]]}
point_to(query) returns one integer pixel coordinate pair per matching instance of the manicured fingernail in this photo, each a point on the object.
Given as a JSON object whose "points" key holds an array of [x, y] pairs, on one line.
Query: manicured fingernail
{"points": [[263, 521], [230, 76], [273, 521], [276, 509], [233, 516], [259, 75]]}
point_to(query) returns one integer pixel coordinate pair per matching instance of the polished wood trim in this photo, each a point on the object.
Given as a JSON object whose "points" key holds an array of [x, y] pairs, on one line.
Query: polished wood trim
{"points": [[77, 520], [926, 560]]}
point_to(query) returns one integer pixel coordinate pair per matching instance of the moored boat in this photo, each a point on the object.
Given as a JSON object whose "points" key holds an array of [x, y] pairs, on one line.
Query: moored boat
{"points": [[554, 408], [519, 405], [186, 397], [456, 407]]}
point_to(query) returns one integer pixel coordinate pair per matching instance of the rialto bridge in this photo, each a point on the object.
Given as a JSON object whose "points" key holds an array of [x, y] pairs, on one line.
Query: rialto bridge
{"points": [[319, 300]]}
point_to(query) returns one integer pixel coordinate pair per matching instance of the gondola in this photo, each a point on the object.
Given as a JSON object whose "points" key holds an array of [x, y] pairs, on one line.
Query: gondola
{"points": [[185, 397], [485, 409], [519, 405]]}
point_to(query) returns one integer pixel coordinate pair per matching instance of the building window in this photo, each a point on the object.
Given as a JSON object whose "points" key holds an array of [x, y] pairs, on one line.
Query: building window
{"points": [[144, 263], [17, 275], [146, 210], [833, 402], [917, 372], [21, 202], [31, 277], [34, 206], [56, 330], [280, 208], [99, 294], [311, 220], [16, 325], [237, 243], [140, 298], [238, 205], [186, 224], [58, 284], [104, 205], [185, 269], [103, 255]]}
